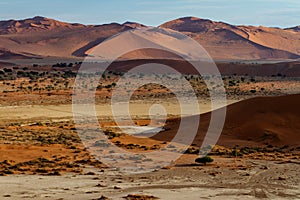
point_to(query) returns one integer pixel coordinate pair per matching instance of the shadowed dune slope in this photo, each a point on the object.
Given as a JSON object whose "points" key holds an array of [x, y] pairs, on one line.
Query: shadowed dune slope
{"points": [[253, 122], [289, 69]]}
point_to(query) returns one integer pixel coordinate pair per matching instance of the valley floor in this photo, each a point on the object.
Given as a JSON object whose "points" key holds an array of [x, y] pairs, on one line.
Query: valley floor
{"points": [[230, 179]]}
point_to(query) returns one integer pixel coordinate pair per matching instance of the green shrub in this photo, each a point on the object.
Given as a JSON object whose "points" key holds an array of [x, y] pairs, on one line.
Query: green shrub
{"points": [[204, 160]]}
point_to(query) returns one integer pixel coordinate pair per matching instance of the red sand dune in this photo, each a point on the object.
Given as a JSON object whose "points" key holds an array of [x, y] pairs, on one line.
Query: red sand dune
{"points": [[44, 37], [225, 41], [252, 122]]}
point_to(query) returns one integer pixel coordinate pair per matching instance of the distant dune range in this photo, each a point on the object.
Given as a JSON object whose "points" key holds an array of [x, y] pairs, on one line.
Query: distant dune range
{"points": [[41, 37], [252, 122]]}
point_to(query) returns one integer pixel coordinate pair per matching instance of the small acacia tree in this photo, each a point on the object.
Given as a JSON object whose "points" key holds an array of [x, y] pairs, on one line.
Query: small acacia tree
{"points": [[204, 160]]}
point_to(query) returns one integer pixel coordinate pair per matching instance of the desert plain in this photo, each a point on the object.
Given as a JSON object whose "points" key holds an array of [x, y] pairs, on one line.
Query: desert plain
{"points": [[257, 155], [42, 156]]}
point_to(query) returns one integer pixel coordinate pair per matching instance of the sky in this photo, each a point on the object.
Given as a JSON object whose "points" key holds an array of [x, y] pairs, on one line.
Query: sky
{"points": [[273, 13]]}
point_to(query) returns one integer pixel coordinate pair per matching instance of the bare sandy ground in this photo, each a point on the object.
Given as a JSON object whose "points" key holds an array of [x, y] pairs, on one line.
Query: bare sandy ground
{"points": [[230, 179], [225, 178], [137, 108]]}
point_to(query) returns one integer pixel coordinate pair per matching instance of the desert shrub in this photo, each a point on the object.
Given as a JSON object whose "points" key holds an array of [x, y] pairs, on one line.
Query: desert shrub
{"points": [[204, 160], [7, 171], [145, 148], [131, 146], [60, 65], [41, 170], [111, 134], [192, 150], [244, 150], [69, 74], [7, 70], [108, 86], [232, 83], [284, 147]]}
